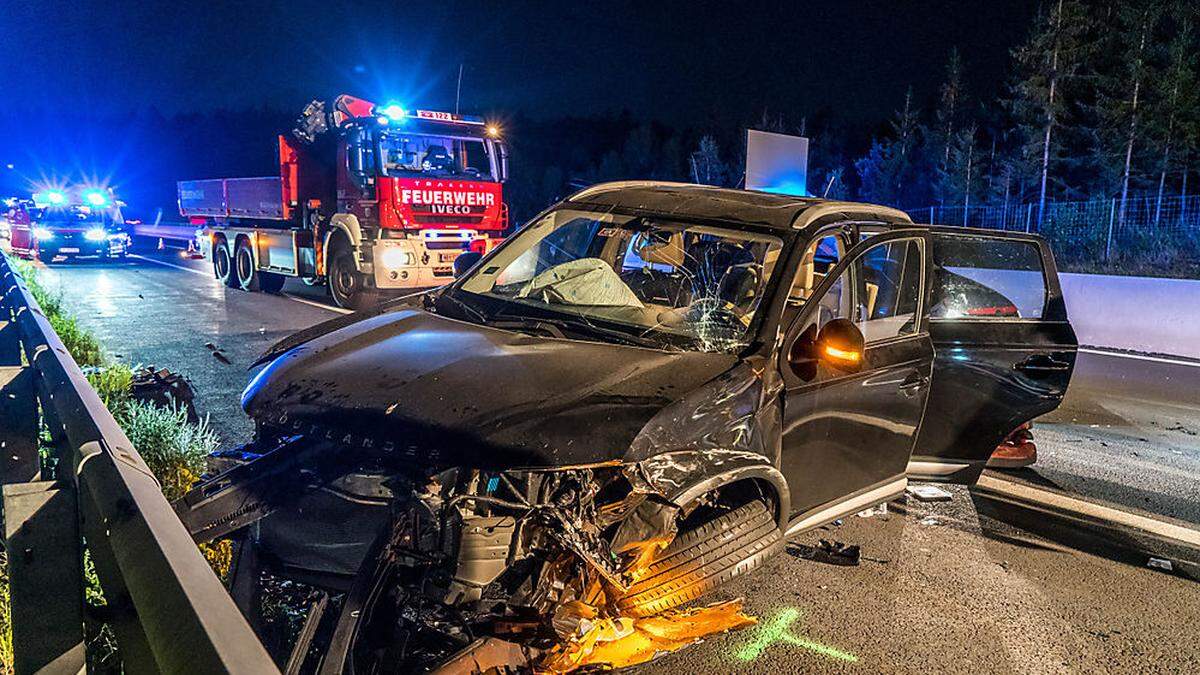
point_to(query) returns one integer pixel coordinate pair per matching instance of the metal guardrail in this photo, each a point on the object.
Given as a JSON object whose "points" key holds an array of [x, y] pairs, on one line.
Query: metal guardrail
{"points": [[177, 232], [169, 611]]}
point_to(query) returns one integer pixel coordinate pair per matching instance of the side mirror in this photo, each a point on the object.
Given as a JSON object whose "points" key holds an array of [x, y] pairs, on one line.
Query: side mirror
{"points": [[465, 261], [840, 344]]}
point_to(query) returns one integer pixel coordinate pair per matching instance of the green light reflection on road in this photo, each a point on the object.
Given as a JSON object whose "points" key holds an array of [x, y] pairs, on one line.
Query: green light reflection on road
{"points": [[777, 630]]}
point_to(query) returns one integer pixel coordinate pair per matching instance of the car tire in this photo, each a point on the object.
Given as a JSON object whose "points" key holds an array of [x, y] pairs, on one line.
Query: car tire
{"points": [[347, 285], [704, 557], [223, 265], [248, 278], [270, 282]]}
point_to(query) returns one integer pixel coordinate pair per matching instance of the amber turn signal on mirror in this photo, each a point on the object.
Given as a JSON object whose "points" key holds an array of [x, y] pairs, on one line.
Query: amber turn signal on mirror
{"points": [[842, 354], [840, 345]]}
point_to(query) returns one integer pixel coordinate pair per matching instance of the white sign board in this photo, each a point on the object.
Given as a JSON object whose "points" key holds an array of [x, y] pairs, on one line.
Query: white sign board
{"points": [[776, 163]]}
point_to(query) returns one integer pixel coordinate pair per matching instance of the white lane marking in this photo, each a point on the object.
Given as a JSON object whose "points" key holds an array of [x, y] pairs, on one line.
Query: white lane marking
{"points": [[314, 303], [178, 267], [210, 276], [1140, 357], [1179, 533]]}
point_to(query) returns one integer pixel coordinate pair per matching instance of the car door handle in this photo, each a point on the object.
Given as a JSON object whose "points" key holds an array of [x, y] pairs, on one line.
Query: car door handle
{"points": [[914, 383], [1041, 364]]}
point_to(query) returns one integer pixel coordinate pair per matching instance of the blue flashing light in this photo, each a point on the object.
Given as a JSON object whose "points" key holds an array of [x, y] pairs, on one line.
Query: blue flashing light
{"points": [[394, 111], [55, 197], [95, 197], [787, 187]]}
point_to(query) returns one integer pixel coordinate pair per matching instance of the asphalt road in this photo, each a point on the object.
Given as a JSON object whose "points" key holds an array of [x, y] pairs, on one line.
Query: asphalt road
{"points": [[939, 588], [1128, 432]]}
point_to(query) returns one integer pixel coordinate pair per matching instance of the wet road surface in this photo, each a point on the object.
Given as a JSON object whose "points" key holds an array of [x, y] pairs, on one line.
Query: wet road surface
{"points": [[939, 589]]}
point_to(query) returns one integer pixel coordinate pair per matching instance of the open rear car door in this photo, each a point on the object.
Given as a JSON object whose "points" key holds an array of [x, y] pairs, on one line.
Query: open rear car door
{"points": [[1004, 350]]}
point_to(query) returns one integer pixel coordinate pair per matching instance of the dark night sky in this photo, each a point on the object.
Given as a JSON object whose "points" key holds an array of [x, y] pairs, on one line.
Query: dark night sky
{"points": [[682, 63]]}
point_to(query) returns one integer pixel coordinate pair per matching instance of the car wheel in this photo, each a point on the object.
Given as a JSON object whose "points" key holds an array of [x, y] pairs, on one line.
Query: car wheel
{"points": [[223, 266], [248, 278], [347, 285], [703, 557]]}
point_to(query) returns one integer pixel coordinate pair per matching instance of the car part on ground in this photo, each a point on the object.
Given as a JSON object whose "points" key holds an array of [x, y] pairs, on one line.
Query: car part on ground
{"points": [[165, 388]]}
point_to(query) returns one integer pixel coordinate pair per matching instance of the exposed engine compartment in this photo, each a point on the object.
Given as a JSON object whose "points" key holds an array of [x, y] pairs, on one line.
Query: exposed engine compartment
{"points": [[440, 561]]}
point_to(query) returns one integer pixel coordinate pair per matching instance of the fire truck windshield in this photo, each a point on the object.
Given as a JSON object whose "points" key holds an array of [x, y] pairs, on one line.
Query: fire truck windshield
{"points": [[413, 154], [75, 215]]}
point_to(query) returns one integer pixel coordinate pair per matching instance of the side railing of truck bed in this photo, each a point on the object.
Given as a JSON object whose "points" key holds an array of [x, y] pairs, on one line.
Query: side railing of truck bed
{"points": [[73, 482]]}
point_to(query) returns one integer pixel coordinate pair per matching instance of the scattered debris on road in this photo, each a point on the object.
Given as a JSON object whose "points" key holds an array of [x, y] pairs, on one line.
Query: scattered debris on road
{"points": [[1160, 564], [830, 553], [217, 353], [929, 493], [877, 510]]}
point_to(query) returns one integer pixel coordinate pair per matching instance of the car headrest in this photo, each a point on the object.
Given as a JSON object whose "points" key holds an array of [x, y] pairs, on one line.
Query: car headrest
{"points": [[669, 252]]}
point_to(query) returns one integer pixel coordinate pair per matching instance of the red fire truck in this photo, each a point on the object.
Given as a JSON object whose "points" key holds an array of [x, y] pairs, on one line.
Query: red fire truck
{"points": [[368, 198]]}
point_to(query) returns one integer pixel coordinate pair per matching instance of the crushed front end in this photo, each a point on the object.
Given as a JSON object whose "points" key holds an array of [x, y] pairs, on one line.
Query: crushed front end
{"points": [[429, 566]]}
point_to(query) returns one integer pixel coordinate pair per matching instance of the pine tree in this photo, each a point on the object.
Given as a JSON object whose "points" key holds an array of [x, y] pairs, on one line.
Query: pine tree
{"points": [[886, 171], [1173, 117], [707, 167], [1049, 59], [948, 105], [1122, 93]]}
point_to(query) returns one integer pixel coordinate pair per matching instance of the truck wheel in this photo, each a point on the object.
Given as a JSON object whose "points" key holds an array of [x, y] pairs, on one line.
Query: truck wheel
{"points": [[270, 282], [222, 265], [248, 278], [704, 557], [347, 285]]}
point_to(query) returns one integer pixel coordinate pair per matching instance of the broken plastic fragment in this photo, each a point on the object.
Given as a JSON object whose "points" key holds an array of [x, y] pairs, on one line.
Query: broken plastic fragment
{"points": [[644, 638]]}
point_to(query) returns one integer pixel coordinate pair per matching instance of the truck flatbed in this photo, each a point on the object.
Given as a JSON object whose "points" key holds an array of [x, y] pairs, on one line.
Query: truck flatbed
{"points": [[259, 198]]}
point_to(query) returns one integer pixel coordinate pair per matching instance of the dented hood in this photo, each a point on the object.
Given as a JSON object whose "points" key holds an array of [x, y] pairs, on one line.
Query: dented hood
{"points": [[451, 392]]}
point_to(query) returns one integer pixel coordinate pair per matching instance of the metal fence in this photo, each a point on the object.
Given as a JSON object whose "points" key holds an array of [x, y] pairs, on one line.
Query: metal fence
{"points": [[1096, 230], [168, 610]]}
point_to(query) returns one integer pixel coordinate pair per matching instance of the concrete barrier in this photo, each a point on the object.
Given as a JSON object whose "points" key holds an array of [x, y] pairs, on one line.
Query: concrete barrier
{"points": [[1142, 314]]}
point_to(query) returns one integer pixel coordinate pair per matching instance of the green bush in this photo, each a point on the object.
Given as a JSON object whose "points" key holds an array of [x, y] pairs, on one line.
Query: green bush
{"points": [[173, 449], [112, 382]]}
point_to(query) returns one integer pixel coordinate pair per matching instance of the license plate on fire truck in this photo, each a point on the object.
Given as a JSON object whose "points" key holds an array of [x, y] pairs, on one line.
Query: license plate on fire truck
{"points": [[447, 257], [67, 249]]}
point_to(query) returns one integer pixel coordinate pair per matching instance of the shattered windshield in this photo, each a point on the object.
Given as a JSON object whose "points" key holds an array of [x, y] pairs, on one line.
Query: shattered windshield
{"points": [[671, 281]]}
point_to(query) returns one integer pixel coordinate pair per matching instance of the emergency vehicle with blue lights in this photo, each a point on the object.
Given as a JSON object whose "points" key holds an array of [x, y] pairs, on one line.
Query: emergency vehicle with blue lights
{"points": [[68, 223], [369, 198]]}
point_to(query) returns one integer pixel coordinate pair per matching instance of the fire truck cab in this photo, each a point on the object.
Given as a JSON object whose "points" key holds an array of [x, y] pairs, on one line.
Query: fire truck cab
{"points": [[369, 198]]}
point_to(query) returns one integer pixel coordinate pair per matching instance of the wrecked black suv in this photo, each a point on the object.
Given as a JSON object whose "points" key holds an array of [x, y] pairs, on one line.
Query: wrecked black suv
{"points": [[635, 398]]}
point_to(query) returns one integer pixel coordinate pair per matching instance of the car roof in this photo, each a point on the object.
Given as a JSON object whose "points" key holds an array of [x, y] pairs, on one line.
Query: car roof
{"points": [[750, 207]]}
